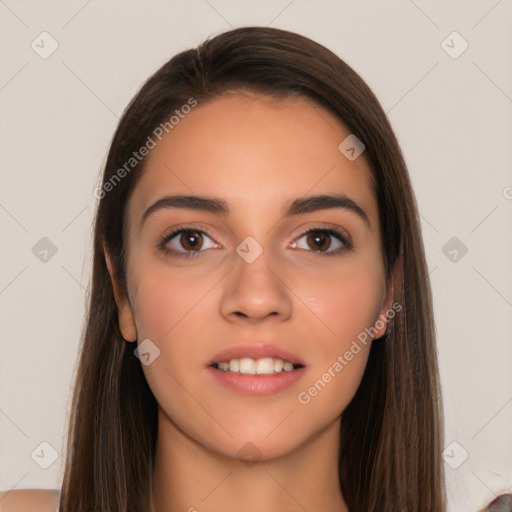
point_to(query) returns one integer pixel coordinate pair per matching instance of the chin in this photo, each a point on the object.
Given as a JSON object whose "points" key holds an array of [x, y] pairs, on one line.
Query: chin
{"points": [[258, 448], [263, 439]]}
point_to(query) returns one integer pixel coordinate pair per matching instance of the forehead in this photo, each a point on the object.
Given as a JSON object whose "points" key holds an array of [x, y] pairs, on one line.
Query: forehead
{"points": [[254, 151]]}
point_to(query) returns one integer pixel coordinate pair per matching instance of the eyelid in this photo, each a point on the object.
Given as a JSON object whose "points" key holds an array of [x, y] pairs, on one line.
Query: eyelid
{"points": [[326, 226], [188, 227]]}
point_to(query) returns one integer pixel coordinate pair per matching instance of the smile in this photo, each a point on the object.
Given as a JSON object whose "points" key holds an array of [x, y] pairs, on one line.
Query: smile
{"points": [[263, 366]]}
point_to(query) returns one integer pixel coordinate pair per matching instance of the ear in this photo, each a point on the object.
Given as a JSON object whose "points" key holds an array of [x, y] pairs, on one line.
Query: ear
{"points": [[127, 325], [381, 324]]}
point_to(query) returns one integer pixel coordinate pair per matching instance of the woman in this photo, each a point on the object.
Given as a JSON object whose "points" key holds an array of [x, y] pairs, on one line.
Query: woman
{"points": [[260, 332]]}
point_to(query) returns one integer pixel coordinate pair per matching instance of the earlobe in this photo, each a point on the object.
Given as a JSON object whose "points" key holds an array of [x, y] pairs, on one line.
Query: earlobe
{"points": [[127, 325]]}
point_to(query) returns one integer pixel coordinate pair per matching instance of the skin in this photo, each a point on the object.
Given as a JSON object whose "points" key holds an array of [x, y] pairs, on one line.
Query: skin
{"points": [[257, 153], [34, 500]]}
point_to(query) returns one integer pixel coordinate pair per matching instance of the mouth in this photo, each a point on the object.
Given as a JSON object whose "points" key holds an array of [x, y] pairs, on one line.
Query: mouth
{"points": [[262, 366], [256, 369]]}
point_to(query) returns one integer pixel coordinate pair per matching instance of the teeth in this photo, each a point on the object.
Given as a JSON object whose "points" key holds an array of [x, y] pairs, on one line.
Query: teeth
{"points": [[287, 366], [247, 365], [265, 365]]}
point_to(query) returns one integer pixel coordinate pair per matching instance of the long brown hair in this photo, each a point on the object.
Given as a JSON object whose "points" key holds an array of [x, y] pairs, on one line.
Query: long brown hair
{"points": [[391, 436]]}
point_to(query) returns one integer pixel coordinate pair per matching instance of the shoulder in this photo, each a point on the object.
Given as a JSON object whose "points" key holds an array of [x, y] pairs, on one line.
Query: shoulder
{"points": [[29, 500]]}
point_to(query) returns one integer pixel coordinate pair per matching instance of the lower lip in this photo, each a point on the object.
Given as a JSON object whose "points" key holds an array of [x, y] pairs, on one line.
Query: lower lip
{"points": [[260, 385]]}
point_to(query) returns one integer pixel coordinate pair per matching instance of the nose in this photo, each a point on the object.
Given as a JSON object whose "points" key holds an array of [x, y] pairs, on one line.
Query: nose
{"points": [[254, 291]]}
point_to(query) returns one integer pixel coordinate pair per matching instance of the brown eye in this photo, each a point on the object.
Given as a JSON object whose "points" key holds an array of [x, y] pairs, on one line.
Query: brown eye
{"points": [[191, 240], [322, 241], [318, 241], [186, 242]]}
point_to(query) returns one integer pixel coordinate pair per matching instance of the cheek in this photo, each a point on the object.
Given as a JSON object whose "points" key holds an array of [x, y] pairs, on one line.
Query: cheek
{"points": [[175, 311], [166, 299], [346, 301], [170, 312]]}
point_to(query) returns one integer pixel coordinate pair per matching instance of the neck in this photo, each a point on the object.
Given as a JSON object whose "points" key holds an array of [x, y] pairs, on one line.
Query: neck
{"points": [[191, 477]]}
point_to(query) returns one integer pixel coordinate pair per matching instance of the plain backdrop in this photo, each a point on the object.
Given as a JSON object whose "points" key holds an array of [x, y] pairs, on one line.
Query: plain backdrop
{"points": [[448, 96]]}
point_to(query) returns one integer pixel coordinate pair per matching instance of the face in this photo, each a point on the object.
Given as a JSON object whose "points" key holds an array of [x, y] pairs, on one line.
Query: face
{"points": [[300, 284]]}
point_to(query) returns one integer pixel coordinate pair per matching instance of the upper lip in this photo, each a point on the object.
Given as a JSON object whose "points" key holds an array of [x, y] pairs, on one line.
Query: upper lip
{"points": [[256, 351]]}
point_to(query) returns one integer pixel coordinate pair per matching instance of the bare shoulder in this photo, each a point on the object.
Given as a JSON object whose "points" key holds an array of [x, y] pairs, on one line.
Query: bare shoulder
{"points": [[29, 500]]}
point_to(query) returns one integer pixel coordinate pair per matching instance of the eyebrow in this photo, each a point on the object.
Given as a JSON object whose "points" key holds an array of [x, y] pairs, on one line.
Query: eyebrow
{"points": [[298, 206]]}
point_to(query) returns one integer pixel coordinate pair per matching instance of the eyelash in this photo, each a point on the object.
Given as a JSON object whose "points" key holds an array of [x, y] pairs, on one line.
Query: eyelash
{"points": [[162, 243]]}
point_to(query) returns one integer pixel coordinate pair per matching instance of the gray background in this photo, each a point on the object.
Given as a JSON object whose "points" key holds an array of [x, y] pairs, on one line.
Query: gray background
{"points": [[451, 112]]}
